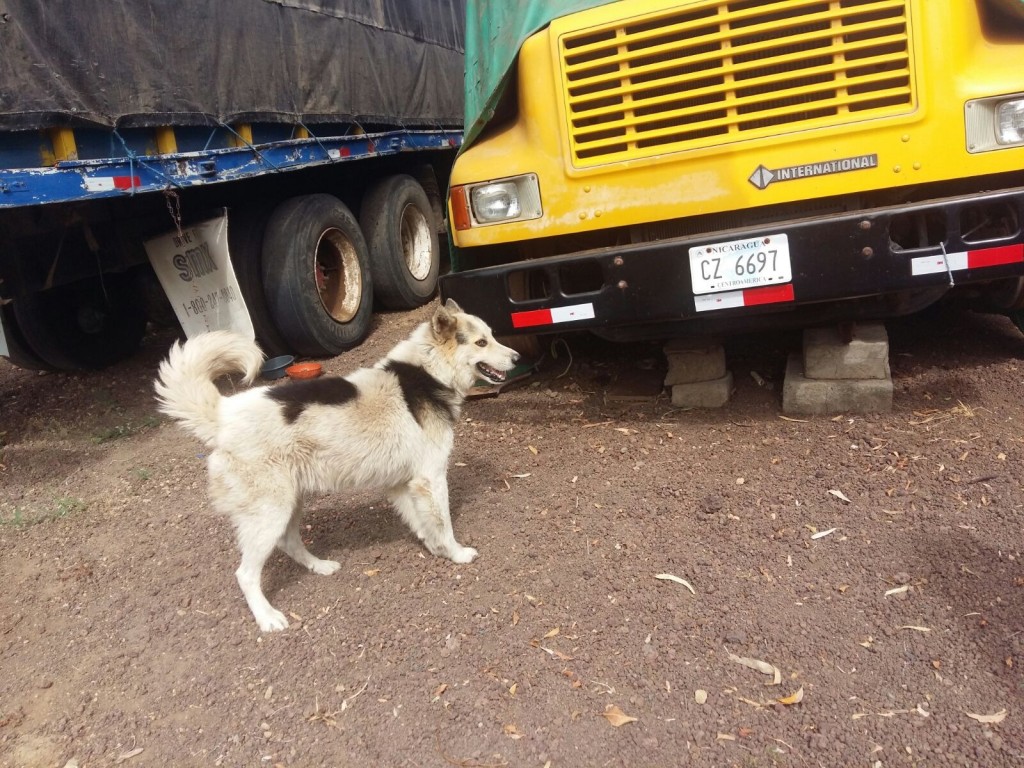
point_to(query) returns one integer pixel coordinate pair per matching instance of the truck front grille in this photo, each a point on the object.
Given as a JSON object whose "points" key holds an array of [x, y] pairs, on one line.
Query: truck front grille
{"points": [[711, 73]]}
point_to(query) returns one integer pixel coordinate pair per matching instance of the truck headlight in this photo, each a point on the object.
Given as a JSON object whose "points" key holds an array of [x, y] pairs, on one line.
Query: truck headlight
{"points": [[496, 202], [995, 123], [1010, 122]]}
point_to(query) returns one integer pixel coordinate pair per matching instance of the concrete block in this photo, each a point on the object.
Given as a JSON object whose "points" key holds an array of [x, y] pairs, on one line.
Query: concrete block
{"points": [[821, 397], [866, 356], [703, 394], [693, 361]]}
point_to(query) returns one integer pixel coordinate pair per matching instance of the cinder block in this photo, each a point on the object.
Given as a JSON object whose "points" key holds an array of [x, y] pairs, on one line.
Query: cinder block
{"points": [[866, 356], [821, 397], [703, 394], [693, 361]]}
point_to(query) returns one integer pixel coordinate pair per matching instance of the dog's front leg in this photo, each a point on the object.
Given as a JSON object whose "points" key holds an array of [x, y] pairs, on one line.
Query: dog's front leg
{"points": [[423, 505]]}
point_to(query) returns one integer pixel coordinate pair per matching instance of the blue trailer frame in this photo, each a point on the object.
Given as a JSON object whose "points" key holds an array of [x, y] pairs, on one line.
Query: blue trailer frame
{"points": [[116, 189], [135, 173]]}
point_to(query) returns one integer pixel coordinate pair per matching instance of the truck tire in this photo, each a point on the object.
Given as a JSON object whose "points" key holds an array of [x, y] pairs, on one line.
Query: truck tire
{"points": [[18, 351], [246, 228], [85, 325], [316, 277], [397, 220]]}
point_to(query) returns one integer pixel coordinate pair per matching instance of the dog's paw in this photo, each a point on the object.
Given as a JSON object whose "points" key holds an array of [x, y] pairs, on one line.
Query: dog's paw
{"points": [[325, 567], [272, 621], [463, 554]]}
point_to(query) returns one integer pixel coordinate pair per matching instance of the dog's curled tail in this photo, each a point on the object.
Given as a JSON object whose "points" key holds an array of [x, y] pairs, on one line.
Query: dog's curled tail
{"points": [[185, 385]]}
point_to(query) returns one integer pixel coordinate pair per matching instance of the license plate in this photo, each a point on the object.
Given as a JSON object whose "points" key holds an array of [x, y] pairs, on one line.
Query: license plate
{"points": [[740, 264]]}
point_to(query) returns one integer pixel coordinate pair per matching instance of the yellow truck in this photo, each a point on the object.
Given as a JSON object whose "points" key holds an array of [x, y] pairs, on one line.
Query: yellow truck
{"points": [[649, 169]]}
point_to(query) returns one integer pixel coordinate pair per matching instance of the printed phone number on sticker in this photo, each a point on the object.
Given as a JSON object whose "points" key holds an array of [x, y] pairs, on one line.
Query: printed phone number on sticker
{"points": [[200, 305]]}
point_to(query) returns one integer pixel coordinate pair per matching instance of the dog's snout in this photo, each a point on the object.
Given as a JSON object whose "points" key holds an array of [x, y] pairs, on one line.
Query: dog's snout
{"points": [[515, 358]]}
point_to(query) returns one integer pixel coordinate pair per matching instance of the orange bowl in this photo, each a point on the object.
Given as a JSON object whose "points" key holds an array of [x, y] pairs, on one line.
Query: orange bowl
{"points": [[304, 370]]}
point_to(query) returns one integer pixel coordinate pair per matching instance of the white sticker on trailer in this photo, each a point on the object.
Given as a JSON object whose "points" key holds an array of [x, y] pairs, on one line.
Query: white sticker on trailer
{"points": [[194, 268], [930, 265], [99, 184], [730, 300]]}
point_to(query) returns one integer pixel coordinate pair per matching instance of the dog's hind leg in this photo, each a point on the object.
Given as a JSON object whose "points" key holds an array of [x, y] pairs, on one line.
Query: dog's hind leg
{"points": [[291, 544], [258, 532], [423, 505]]}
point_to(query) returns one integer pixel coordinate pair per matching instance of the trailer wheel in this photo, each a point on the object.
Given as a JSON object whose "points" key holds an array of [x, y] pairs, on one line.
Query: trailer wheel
{"points": [[85, 325], [397, 219], [315, 275], [18, 351], [246, 228]]}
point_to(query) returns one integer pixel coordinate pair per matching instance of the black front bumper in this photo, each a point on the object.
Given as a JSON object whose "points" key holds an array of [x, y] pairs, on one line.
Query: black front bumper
{"points": [[844, 266]]}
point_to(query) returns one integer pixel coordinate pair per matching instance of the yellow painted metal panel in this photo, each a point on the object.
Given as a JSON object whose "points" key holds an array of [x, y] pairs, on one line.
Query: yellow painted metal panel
{"points": [[945, 51], [244, 137], [62, 140], [166, 141], [713, 72]]}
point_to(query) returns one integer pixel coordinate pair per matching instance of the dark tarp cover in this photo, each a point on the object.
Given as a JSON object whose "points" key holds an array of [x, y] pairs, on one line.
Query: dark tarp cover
{"points": [[121, 63]]}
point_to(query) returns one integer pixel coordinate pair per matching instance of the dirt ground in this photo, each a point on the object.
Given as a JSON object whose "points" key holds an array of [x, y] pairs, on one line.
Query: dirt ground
{"points": [[847, 591]]}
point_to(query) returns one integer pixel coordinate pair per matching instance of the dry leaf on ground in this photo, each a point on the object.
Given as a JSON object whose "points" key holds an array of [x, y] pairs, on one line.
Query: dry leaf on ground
{"points": [[998, 717], [761, 666], [555, 652], [616, 716], [839, 495], [677, 580], [793, 698]]}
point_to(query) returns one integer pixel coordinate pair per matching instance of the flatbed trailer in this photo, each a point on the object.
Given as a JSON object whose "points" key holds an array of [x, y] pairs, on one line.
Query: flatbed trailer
{"points": [[285, 195]]}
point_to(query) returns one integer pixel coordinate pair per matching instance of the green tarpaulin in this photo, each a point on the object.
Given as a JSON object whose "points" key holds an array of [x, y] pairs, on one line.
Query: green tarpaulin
{"points": [[495, 29]]}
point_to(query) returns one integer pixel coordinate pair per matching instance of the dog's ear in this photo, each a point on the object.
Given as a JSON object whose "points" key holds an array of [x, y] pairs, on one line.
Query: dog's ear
{"points": [[443, 323], [452, 307]]}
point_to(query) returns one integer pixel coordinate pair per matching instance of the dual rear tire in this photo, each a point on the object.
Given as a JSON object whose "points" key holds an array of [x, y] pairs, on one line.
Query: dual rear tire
{"points": [[320, 269], [316, 275]]}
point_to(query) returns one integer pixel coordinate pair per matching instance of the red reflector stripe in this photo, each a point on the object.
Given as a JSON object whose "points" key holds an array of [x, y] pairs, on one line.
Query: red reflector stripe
{"points": [[992, 257], [771, 294], [568, 314], [127, 182], [531, 318], [768, 294]]}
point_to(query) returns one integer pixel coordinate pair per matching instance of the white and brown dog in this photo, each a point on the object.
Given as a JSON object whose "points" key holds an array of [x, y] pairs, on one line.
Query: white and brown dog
{"points": [[389, 427]]}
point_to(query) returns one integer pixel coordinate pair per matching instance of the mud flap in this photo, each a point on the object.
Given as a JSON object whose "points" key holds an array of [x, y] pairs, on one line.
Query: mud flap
{"points": [[194, 268], [4, 351]]}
